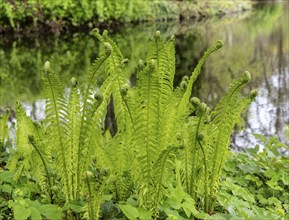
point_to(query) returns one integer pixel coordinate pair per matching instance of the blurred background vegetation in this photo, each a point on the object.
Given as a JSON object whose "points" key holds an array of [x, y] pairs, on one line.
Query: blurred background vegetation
{"points": [[64, 15]]}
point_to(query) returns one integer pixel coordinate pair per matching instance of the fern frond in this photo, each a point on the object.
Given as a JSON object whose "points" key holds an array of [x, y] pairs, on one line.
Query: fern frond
{"points": [[88, 111], [44, 163], [26, 154], [25, 127], [147, 125], [118, 155], [186, 97], [224, 117], [57, 124], [73, 134], [163, 168]]}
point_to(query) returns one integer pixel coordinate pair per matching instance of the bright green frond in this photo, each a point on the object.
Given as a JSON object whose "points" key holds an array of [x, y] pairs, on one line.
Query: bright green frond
{"points": [[57, 124]]}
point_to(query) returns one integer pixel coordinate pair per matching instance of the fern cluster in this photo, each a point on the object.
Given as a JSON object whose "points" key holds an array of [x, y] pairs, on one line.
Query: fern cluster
{"points": [[163, 139]]}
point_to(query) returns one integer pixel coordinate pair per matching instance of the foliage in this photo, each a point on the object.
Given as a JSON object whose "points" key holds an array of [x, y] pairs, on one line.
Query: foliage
{"points": [[166, 149], [59, 14], [256, 183]]}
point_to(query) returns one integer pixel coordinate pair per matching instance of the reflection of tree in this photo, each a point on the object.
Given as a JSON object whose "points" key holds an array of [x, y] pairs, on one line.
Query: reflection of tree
{"points": [[258, 47], [273, 98]]}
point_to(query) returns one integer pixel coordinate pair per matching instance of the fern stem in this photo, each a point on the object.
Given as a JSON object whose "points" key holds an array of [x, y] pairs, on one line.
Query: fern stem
{"points": [[193, 177], [148, 129], [90, 205], [34, 144], [206, 176], [129, 112], [159, 184], [187, 182]]}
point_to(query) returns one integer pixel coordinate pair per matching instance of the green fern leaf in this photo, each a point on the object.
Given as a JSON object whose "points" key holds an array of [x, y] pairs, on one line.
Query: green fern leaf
{"points": [[185, 99], [57, 124], [224, 117]]}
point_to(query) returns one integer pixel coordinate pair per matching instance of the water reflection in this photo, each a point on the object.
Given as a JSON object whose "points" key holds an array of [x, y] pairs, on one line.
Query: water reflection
{"points": [[257, 42]]}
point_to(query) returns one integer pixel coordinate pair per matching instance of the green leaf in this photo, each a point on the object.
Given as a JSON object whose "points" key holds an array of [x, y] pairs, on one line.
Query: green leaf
{"points": [[254, 179], [77, 206], [285, 179], [106, 197], [7, 177], [144, 214], [260, 138], [173, 214], [274, 185], [174, 203], [6, 188], [254, 150], [270, 173], [249, 167], [274, 200], [51, 212], [129, 211], [21, 213], [201, 215], [35, 214]]}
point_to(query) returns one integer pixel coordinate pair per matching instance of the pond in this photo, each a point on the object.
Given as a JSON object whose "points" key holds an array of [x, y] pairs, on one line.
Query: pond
{"points": [[256, 41]]}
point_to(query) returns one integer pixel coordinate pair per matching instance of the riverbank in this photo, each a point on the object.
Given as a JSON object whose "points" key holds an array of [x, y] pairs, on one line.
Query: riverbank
{"points": [[70, 16]]}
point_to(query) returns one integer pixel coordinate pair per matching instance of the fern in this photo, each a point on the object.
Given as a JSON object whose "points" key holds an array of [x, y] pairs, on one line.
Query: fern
{"points": [[26, 157], [186, 97], [162, 170], [57, 124], [37, 149], [73, 134], [164, 137], [224, 117], [207, 140], [88, 110]]}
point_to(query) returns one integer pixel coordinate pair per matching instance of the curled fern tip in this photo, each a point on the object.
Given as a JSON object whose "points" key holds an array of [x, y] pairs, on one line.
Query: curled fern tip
{"points": [[73, 81], [125, 61], [124, 89], [158, 35], [247, 77], [88, 175], [219, 44], [107, 48], [186, 79], [140, 64], [98, 97], [47, 66], [253, 94], [94, 31], [183, 85], [105, 33], [152, 65], [203, 107], [195, 101]]}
